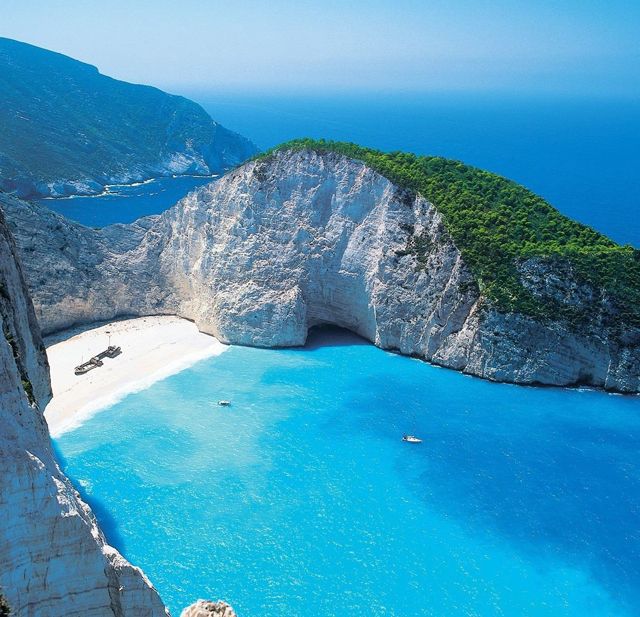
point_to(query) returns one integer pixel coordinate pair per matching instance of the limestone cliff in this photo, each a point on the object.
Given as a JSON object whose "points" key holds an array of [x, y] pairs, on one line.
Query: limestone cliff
{"points": [[304, 238], [54, 560]]}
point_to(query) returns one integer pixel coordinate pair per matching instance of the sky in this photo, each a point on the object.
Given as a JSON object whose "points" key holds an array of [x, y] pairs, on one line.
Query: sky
{"points": [[568, 47]]}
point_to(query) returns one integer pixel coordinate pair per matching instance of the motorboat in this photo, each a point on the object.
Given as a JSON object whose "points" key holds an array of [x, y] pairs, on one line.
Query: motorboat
{"points": [[411, 439], [224, 403]]}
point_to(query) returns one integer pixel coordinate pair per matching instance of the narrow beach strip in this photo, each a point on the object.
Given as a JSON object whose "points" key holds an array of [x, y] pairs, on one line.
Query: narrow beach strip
{"points": [[152, 348]]}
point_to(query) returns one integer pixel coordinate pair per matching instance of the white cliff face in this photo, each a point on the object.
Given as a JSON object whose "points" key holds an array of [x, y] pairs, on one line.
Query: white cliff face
{"points": [[54, 560], [83, 275], [281, 246], [299, 239]]}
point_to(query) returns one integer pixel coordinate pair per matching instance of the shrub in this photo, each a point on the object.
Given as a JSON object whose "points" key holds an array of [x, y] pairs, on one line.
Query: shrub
{"points": [[5, 611]]}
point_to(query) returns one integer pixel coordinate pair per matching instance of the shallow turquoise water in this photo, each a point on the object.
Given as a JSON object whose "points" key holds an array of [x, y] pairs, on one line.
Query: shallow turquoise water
{"points": [[300, 498]]}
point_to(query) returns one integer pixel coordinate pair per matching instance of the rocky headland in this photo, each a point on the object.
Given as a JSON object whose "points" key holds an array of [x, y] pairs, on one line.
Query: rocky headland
{"points": [[317, 233], [69, 130]]}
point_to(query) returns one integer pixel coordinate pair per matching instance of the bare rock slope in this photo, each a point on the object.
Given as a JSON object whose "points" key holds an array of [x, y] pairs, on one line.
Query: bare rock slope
{"points": [[54, 559], [303, 238]]}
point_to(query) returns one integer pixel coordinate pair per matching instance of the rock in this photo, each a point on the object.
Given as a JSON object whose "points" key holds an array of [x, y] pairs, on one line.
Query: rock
{"points": [[54, 559], [300, 239], [204, 608]]}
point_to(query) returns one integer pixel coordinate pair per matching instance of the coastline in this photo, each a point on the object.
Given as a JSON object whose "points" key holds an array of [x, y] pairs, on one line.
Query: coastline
{"points": [[106, 188], [152, 349]]}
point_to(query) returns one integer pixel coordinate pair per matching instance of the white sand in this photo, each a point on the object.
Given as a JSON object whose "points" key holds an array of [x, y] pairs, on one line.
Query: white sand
{"points": [[152, 349]]}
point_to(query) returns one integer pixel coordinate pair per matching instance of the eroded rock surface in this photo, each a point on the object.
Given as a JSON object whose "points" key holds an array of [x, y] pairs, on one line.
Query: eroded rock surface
{"points": [[204, 608], [54, 560], [299, 239]]}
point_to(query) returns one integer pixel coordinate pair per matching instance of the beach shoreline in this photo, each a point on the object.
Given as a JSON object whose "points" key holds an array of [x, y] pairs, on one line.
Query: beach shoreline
{"points": [[152, 349]]}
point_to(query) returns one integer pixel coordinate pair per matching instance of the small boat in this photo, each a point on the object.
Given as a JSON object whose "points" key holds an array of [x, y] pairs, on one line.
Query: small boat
{"points": [[84, 368], [88, 366], [411, 439], [112, 351], [224, 403]]}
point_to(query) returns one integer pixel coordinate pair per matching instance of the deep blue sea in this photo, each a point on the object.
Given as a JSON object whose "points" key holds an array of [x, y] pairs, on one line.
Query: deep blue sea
{"points": [[124, 203], [583, 155], [301, 499]]}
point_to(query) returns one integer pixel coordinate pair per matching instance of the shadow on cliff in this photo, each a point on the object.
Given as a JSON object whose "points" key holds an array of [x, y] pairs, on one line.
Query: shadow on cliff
{"points": [[107, 522], [331, 336]]}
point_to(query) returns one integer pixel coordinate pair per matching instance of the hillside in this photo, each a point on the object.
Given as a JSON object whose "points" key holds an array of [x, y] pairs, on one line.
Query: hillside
{"points": [[68, 129], [501, 229]]}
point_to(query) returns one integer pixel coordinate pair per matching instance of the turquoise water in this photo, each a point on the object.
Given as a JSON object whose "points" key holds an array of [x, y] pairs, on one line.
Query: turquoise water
{"points": [[300, 499], [124, 203]]}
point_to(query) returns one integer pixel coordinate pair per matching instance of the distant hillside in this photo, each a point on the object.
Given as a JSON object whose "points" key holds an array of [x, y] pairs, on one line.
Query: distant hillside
{"points": [[68, 129]]}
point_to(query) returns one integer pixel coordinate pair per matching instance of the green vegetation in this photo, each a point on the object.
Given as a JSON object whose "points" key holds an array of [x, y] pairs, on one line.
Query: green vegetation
{"points": [[496, 224], [26, 383], [28, 390], [5, 611]]}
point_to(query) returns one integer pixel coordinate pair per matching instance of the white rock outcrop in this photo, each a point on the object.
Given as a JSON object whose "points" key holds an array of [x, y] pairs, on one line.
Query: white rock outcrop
{"points": [[204, 608], [54, 560], [298, 239]]}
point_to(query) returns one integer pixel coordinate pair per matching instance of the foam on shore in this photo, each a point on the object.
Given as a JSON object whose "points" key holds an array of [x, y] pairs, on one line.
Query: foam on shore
{"points": [[152, 348]]}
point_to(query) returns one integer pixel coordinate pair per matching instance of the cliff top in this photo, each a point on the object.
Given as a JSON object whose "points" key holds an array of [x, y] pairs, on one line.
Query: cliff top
{"points": [[499, 226]]}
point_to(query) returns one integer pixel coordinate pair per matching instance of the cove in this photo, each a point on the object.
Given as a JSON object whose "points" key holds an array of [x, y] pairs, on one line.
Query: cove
{"points": [[301, 499], [124, 203]]}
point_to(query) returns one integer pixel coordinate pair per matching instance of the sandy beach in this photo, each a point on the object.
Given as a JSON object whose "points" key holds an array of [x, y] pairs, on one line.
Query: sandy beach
{"points": [[152, 349]]}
